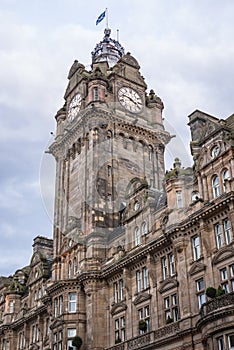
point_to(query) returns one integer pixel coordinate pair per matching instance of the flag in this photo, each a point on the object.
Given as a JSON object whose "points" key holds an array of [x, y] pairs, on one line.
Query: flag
{"points": [[100, 18]]}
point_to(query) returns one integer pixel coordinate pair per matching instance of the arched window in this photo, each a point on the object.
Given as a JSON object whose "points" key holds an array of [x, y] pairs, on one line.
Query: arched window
{"points": [[74, 266], [95, 94], [144, 228], [150, 152], [215, 186], [225, 177], [137, 236], [69, 269]]}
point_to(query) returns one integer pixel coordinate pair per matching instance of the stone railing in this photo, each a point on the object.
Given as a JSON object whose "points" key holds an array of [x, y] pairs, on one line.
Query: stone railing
{"points": [[217, 303], [147, 338], [140, 341], [168, 330]]}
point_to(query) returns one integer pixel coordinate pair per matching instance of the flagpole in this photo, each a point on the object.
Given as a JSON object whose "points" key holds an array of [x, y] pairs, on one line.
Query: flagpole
{"points": [[106, 17]]}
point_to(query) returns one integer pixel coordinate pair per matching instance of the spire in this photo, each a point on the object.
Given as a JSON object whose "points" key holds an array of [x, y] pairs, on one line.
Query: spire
{"points": [[108, 50]]}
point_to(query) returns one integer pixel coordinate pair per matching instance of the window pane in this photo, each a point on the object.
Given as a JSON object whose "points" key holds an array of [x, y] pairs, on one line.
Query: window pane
{"points": [[179, 199], [71, 332], [218, 233], [196, 247]]}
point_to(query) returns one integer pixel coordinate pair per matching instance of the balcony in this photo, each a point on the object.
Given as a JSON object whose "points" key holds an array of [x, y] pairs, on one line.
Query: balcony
{"points": [[144, 340], [218, 305]]}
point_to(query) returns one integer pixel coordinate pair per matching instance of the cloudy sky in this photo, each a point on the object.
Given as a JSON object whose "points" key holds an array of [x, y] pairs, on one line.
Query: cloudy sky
{"points": [[185, 49]]}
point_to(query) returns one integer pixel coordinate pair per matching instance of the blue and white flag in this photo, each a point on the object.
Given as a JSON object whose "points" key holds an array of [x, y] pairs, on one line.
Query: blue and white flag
{"points": [[100, 18]]}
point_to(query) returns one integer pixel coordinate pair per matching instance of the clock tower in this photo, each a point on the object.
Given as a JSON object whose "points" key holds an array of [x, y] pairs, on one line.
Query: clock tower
{"points": [[110, 135]]}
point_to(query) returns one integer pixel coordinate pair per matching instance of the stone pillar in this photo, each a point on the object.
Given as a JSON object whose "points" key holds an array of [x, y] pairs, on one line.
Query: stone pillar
{"points": [[180, 245], [96, 323]]}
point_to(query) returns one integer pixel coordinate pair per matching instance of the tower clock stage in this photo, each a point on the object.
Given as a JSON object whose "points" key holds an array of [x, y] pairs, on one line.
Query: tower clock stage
{"points": [[110, 133]]}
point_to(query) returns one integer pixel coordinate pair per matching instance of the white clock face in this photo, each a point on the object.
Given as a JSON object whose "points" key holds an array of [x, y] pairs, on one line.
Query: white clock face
{"points": [[130, 99], [74, 107]]}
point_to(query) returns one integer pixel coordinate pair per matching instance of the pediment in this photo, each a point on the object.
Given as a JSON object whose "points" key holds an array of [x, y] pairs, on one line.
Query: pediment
{"points": [[57, 323], [167, 284], [34, 347], [196, 267], [223, 254], [134, 186], [117, 308], [141, 297]]}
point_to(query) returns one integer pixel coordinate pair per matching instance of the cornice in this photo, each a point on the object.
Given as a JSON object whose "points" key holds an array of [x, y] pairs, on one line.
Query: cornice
{"points": [[205, 212], [76, 130]]}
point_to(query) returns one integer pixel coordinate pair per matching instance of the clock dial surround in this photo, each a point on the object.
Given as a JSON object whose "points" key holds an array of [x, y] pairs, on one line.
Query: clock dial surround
{"points": [[74, 107], [130, 99]]}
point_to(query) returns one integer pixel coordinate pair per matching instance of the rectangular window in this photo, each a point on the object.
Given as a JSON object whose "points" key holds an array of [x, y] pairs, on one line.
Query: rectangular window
{"points": [[121, 289], [227, 231], [11, 306], [172, 264], [200, 292], [179, 199], [218, 233], [139, 281], [55, 307], [196, 247], [167, 302], [164, 267], [116, 292], [231, 342], [95, 93], [69, 345], [224, 275], [71, 302], [221, 343], [60, 305], [145, 278], [231, 270], [71, 332], [144, 314]]}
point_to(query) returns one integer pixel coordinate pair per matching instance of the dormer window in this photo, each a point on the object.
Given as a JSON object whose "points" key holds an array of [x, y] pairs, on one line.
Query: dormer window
{"points": [[95, 94]]}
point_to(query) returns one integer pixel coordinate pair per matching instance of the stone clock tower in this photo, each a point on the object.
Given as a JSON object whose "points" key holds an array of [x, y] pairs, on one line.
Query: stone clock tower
{"points": [[109, 142], [132, 261], [109, 132]]}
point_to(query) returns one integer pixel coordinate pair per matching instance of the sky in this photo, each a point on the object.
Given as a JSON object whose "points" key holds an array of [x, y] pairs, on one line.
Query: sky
{"points": [[184, 47]]}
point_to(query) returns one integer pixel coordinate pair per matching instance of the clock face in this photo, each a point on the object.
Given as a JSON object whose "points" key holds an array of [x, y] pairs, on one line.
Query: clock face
{"points": [[130, 99], [74, 106]]}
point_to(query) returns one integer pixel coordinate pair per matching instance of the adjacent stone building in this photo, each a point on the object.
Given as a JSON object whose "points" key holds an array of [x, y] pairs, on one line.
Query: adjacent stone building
{"points": [[134, 248]]}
